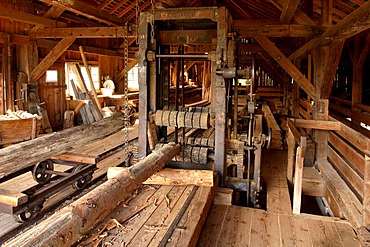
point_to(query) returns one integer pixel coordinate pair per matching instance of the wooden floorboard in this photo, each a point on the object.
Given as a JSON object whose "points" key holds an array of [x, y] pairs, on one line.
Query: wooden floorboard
{"points": [[273, 172], [241, 226], [174, 217]]}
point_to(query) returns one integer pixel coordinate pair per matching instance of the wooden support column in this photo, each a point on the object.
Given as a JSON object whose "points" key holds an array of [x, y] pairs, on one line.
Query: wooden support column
{"points": [[358, 56], [327, 12], [296, 93], [143, 83], [7, 87], [366, 193], [220, 109]]}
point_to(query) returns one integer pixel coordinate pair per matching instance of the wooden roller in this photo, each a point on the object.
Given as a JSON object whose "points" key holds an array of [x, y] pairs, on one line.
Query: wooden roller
{"points": [[190, 154], [189, 119], [158, 118], [195, 154], [204, 120], [196, 120], [166, 118], [181, 119], [173, 118]]}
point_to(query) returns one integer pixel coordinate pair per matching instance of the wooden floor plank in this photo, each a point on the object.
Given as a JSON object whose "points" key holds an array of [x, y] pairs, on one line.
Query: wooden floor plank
{"points": [[211, 232], [347, 234], [156, 221], [265, 229], [274, 174], [236, 227], [323, 233], [294, 231], [133, 226], [174, 210], [188, 230]]}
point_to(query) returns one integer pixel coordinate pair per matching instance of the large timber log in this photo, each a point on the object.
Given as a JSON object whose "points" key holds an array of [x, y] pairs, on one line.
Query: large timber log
{"points": [[20, 156], [70, 224]]}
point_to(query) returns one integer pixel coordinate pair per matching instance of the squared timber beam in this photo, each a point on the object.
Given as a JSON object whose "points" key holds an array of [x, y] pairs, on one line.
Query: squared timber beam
{"points": [[54, 54], [352, 24], [21, 16], [79, 32], [288, 11], [87, 10], [281, 30], [288, 66]]}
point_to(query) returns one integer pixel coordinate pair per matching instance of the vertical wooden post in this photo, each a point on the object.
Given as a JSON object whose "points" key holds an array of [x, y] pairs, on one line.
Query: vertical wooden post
{"points": [[291, 148], [143, 83], [220, 105], [6, 71], [298, 175], [366, 193]]}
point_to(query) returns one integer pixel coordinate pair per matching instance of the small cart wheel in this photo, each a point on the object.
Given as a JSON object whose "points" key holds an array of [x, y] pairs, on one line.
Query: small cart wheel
{"points": [[39, 171], [82, 182], [28, 214]]}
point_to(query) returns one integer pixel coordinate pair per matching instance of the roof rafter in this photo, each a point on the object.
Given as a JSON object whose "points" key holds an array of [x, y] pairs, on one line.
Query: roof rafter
{"points": [[353, 24], [87, 11]]}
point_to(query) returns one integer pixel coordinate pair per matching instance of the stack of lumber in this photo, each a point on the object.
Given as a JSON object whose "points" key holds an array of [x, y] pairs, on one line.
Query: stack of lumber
{"points": [[91, 111], [277, 140], [18, 126], [26, 154]]}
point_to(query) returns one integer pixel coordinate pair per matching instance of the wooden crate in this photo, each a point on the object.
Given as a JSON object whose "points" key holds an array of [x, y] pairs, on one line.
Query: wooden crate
{"points": [[18, 130]]}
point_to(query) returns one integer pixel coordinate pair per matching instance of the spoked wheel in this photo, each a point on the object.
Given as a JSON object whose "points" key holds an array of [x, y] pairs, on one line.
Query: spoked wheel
{"points": [[28, 214], [82, 182], [39, 171]]}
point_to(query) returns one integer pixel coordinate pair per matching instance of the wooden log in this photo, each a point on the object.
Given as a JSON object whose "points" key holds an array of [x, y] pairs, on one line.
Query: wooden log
{"points": [[67, 226], [26, 154]]}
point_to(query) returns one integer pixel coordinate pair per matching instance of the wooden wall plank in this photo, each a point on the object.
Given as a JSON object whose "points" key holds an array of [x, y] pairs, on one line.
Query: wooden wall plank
{"points": [[351, 176], [352, 155]]}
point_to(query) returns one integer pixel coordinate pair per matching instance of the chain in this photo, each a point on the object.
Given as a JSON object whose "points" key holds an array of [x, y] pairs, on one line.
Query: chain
{"points": [[152, 2], [125, 82], [137, 21]]}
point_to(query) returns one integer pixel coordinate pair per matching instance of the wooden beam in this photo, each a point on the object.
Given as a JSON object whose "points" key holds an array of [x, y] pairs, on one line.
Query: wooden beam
{"points": [[21, 16], [76, 220], [299, 17], [171, 176], [281, 30], [80, 32], [327, 11], [316, 124], [54, 54], [288, 66], [288, 11], [354, 23], [44, 43], [301, 140], [81, 8]]}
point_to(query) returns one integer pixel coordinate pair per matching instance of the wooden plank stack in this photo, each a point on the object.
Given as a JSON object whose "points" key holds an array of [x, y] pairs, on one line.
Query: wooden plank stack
{"points": [[277, 140], [90, 112]]}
